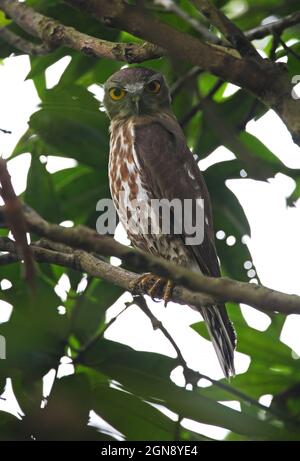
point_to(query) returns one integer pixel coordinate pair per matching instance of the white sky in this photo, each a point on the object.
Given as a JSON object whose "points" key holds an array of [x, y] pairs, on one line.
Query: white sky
{"points": [[274, 245]]}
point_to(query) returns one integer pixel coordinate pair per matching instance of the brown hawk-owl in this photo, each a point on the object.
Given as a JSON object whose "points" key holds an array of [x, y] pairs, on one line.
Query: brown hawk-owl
{"points": [[149, 159]]}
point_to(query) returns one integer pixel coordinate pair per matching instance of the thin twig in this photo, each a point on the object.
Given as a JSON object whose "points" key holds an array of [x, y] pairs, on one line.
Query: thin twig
{"points": [[277, 26], [5, 131], [231, 32], [171, 6], [275, 43], [24, 45], [193, 377], [92, 341], [184, 80], [288, 49], [14, 217], [187, 117]]}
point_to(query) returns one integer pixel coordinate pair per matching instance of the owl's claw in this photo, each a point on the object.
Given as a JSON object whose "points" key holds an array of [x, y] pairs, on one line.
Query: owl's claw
{"points": [[154, 286]]}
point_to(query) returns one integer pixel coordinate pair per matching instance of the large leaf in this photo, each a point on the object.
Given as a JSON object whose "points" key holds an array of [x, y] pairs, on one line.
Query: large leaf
{"points": [[45, 202], [143, 422], [88, 314], [229, 216], [35, 334], [146, 375], [70, 122], [79, 190], [272, 367]]}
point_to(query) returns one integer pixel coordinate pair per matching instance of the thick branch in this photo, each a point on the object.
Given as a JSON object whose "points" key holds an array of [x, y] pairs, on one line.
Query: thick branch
{"points": [[221, 289], [62, 255], [216, 59], [268, 81], [54, 34]]}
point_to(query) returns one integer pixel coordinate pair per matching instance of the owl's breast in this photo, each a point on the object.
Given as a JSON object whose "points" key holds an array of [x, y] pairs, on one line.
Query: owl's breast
{"points": [[132, 195], [127, 181]]}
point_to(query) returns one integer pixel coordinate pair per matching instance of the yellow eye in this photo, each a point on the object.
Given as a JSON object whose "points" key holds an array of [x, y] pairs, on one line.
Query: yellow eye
{"points": [[153, 87], [117, 93]]}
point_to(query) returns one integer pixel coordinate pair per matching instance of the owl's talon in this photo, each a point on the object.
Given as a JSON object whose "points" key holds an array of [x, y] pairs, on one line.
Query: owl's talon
{"points": [[154, 286], [168, 289]]}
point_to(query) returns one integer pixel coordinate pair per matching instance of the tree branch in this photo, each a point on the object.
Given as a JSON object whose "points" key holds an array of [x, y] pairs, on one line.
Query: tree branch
{"points": [[288, 49], [5, 131], [219, 289], [192, 377], [268, 81], [171, 6], [46, 251], [24, 45], [185, 80], [274, 27], [54, 34], [80, 260], [13, 216], [230, 31]]}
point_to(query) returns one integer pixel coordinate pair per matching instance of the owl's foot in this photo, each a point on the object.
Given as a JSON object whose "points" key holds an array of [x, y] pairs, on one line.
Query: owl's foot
{"points": [[154, 286]]}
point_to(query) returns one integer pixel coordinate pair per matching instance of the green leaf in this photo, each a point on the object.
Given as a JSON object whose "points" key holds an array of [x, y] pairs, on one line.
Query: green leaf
{"points": [[45, 201], [79, 189], [88, 314], [232, 112], [35, 334], [4, 21], [146, 375], [142, 421], [230, 217], [70, 123], [272, 367], [295, 194], [10, 427], [66, 414]]}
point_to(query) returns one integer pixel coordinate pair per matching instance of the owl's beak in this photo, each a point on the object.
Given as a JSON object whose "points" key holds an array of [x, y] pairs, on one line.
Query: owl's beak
{"points": [[135, 98]]}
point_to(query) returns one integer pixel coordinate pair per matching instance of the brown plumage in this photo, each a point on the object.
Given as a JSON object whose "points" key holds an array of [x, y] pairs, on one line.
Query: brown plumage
{"points": [[149, 159]]}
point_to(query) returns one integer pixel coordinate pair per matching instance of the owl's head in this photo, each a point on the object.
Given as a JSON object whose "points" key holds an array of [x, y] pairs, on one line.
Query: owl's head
{"points": [[135, 91]]}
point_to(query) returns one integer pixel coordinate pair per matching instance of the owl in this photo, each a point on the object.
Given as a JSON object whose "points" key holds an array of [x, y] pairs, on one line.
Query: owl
{"points": [[149, 160]]}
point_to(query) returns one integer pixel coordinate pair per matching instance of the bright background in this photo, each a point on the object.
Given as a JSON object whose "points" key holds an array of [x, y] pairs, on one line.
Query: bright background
{"points": [[274, 242]]}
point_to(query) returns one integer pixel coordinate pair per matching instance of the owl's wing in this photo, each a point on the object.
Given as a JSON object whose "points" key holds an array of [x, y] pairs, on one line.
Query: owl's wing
{"points": [[172, 173]]}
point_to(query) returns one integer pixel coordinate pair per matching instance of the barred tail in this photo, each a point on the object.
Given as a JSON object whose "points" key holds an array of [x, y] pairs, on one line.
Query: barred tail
{"points": [[222, 335]]}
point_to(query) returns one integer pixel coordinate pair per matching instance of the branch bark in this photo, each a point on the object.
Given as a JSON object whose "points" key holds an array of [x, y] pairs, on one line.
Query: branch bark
{"points": [[54, 34], [218, 289], [266, 80], [50, 252]]}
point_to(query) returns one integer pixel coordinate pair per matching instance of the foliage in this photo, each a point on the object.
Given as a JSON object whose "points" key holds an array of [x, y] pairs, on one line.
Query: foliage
{"points": [[125, 387]]}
